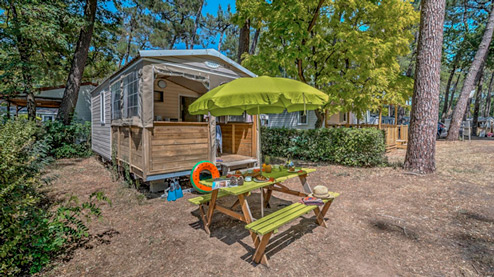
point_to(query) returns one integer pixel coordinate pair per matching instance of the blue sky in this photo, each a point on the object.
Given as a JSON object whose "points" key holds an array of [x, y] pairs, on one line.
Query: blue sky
{"points": [[210, 6]]}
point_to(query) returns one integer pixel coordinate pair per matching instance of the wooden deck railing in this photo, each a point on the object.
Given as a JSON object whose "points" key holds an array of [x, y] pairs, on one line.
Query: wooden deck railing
{"points": [[396, 135]]}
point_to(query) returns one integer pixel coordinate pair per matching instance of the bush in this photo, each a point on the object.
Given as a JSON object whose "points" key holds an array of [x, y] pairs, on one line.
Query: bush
{"points": [[32, 234], [69, 141], [345, 146]]}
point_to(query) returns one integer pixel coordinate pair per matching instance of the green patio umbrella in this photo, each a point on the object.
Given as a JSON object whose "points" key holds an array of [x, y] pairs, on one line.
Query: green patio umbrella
{"points": [[259, 95]]}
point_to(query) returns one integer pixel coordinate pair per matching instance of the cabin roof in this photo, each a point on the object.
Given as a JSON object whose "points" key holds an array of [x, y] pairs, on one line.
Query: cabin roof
{"points": [[195, 52], [177, 53]]}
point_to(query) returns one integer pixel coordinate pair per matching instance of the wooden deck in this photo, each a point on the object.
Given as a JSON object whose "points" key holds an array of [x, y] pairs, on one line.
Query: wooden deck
{"points": [[171, 147], [396, 136], [229, 162]]}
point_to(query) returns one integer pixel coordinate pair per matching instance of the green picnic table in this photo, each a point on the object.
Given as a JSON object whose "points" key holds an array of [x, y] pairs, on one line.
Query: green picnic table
{"points": [[261, 230]]}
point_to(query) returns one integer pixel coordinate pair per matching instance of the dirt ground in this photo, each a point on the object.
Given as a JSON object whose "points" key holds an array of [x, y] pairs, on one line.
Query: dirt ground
{"points": [[386, 222]]}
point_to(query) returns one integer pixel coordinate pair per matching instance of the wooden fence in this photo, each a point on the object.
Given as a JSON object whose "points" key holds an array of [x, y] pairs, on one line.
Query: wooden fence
{"points": [[396, 135]]}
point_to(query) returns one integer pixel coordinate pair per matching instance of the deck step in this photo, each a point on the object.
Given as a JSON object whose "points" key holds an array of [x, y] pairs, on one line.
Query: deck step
{"points": [[235, 163], [243, 170]]}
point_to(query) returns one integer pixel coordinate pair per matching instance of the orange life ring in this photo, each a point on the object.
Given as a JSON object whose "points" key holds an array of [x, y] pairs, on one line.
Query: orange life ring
{"points": [[196, 172]]}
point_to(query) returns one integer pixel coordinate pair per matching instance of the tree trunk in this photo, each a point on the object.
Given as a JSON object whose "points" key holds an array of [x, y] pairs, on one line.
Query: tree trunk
{"points": [[255, 39], [320, 118], [448, 85], [488, 99], [73, 85], [452, 98], [478, 98], [420, 156], [469, 82], [220, 41], [409, 72], [243, 41], [194, 36], [8, 109], [23, 46], [129, 41]]}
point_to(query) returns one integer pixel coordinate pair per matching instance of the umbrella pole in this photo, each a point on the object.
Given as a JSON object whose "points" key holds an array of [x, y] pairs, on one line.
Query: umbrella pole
{"points": [[260, 156]]}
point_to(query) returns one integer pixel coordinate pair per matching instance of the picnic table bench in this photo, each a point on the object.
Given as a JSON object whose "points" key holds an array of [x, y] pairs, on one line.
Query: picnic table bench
{"points": [[269, 224], [261, 230]]}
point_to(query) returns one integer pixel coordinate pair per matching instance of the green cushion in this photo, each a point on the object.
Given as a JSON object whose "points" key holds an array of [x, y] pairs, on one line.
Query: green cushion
{"points": [[279, 218], [206, 198]]}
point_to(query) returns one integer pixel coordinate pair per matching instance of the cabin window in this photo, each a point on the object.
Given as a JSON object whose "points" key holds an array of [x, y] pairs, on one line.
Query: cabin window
{"points": [[117, 101], [47, 118], [238, 118], [302, 118], [102, 107], [342, 117], [158, 96], [131, 91]]}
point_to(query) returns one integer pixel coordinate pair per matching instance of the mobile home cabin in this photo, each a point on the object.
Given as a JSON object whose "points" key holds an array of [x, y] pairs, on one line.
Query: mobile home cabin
{"points": [[140, 115]]}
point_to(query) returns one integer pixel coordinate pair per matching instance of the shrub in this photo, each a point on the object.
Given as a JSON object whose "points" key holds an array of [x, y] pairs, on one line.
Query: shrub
{"points": [[69, 141], [345, 146], [32, 234]]}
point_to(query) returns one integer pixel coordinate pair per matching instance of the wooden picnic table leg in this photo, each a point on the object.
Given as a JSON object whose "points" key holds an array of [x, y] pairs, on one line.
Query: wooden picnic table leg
{"points": [[204, 220], [248, 219], [259, 254], [267, 196], [212, 204], [303, 180], [320, 220], [321, 213], [235, 204]]}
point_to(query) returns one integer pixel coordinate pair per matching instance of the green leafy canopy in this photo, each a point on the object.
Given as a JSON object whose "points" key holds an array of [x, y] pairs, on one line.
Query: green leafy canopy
{"points": [[351, 52]]}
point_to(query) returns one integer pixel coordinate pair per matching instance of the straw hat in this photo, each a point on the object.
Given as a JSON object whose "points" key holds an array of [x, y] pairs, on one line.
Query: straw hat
{"points": [[320, 192]]}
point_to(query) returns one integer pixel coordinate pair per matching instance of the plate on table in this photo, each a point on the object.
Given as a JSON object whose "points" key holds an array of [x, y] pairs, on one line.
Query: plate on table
{"points": [[260, 179]]}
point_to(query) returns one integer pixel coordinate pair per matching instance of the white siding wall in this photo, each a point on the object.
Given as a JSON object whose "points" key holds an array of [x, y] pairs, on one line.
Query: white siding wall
{"points": [[290, 120], [101, 132], [82, 108]]}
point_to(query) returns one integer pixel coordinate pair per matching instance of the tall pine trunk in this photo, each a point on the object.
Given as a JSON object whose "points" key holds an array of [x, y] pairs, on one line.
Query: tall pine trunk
{"points": [[448, 85], [23, 47], [469, 83], [243, 40], [255, 39], [488, 99], [194, 37], [420, 156], [71, 92], [478, 98]]}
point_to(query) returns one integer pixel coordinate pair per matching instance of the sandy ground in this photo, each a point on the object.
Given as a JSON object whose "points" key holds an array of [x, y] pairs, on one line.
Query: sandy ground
{"points": [[385, 223]]}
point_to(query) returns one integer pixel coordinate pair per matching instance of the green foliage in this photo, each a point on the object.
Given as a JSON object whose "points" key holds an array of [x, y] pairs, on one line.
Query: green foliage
{"points": [[345, 146], [32, 234], [350, 52], [69, 141]]}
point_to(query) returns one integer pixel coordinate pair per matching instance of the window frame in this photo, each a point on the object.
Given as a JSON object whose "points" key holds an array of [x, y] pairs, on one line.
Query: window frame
{"points": [[116, 90], [130, 90], [300, 115], [102, 108]]}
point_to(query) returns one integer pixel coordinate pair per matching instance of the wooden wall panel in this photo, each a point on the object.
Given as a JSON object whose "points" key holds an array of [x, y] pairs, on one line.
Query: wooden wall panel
{"points": [[170, 107], [136, 139], [242, 143], [177, 147]]}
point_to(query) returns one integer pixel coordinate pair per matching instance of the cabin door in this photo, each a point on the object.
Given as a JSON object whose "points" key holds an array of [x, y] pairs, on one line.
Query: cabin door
{"points": [[185, 102]]}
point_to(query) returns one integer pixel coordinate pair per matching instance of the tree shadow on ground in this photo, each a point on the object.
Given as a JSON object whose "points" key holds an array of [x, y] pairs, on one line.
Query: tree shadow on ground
{"points": [[475, 244], [231, 231], [401, 230]]}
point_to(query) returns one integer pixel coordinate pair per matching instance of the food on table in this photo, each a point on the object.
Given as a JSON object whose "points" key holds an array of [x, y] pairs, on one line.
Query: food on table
{"points": [[238, 172], [261, 178]]}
